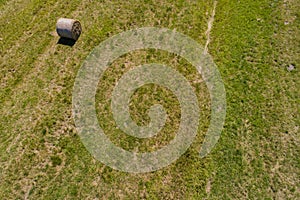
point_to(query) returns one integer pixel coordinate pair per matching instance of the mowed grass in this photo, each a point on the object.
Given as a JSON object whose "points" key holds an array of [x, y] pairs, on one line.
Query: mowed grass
{"points": [[252, 43]]}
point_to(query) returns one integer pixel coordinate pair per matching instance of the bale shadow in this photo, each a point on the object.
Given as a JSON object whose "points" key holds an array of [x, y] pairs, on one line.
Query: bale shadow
{"points": [[66, 41]]}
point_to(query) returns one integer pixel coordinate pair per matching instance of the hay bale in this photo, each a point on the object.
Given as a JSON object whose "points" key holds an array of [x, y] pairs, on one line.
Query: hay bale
{"points": [[68, 28]]}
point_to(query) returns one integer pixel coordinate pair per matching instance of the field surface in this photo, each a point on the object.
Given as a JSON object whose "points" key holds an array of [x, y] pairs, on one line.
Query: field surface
{"points": [[254, 43]]}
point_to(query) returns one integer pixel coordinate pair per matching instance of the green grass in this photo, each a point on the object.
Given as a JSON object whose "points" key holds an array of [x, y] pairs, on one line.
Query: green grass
{"points": [[252, 43]]}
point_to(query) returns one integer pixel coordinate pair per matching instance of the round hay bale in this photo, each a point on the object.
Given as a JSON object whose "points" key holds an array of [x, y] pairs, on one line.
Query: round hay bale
{"points": [[68, 28]]}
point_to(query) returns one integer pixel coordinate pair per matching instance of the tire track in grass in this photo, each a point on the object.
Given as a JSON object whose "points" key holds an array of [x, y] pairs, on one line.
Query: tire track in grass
{"points": [[209, 27], [19, 22], [26, 67], [22, 120], [28, 79], [55, 109], [60, 185], [17, 92], [36, 31], [18, 58], [31, 74], [28, 82]]}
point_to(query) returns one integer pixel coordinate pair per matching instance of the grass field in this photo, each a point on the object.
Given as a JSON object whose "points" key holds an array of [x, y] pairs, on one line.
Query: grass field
{"points": [[256, 46]]}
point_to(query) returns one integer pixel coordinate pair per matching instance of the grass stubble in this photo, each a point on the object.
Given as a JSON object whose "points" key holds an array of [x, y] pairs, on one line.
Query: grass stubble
{"points": [[252, 43]]}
